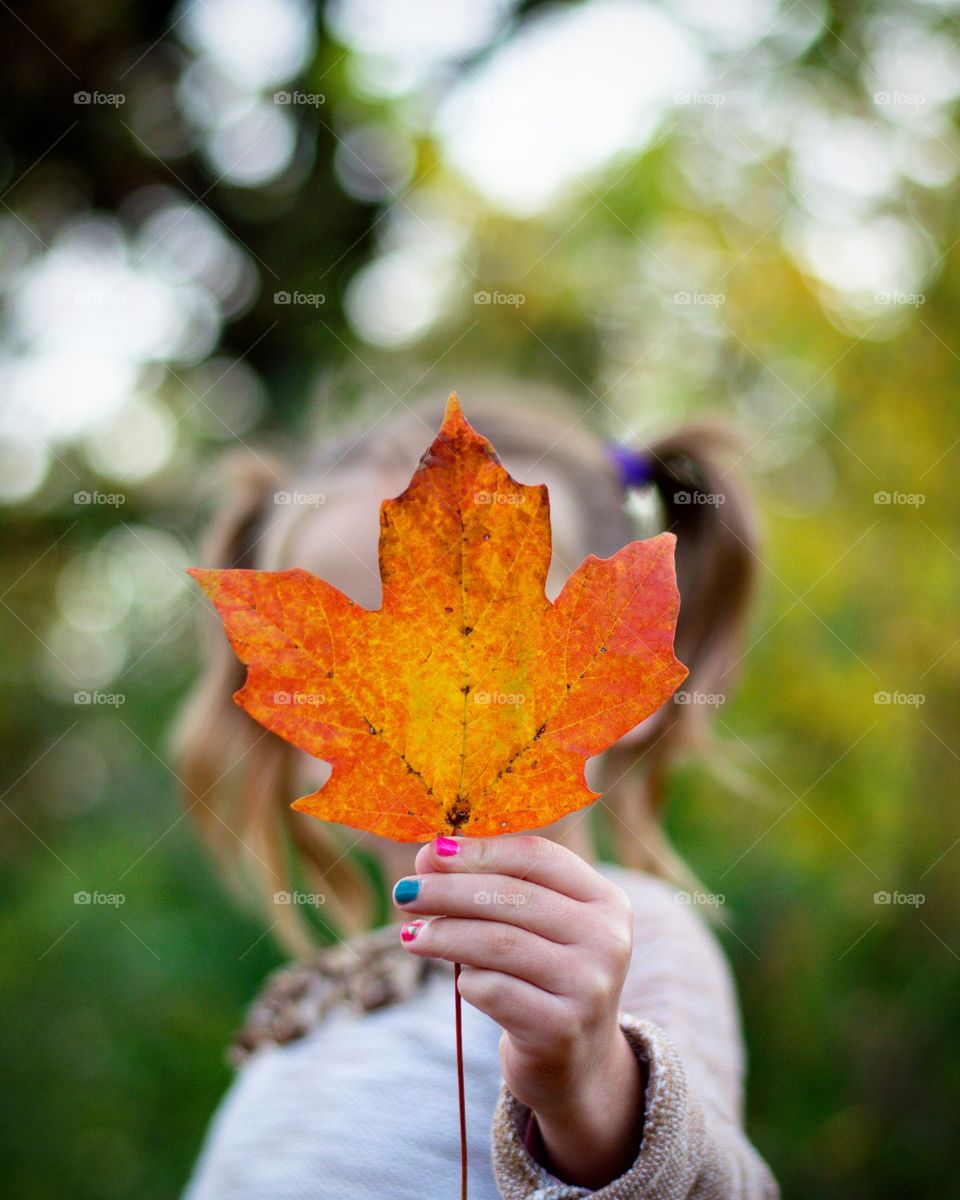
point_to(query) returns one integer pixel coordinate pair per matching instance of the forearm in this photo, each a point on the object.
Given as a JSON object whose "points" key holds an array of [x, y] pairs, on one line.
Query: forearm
{"points": [[591, 1137]]}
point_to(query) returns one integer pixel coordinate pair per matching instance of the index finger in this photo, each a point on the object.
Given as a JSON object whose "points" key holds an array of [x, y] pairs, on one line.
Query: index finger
{"points": [[523, 856]]}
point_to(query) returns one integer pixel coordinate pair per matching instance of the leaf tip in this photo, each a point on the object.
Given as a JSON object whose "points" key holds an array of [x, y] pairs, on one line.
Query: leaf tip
{"points": [[200, 576], [209, 580], [453, 418]]}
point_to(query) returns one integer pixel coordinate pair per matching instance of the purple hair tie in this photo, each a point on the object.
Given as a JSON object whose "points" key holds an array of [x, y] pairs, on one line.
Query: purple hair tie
{"points": [[635, 467]]}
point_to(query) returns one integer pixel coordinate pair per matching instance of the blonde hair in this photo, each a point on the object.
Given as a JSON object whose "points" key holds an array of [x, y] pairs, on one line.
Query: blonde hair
{"points": [[237, 776]]}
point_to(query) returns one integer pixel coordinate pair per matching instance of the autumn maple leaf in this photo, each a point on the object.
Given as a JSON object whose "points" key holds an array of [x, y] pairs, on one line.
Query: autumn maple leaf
{"points": [[468, 703]]}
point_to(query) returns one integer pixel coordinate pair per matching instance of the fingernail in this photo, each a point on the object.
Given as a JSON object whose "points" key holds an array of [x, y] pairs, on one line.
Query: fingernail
{"points": [[447, 846], [406, 890], [409, 931]]}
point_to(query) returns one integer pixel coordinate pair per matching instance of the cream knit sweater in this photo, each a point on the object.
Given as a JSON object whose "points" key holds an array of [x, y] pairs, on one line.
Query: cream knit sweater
{"points": [[349, 1084]]}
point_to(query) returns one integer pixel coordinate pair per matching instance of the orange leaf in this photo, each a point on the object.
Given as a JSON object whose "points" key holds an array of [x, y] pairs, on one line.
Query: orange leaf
{"points": [[468, 703]]}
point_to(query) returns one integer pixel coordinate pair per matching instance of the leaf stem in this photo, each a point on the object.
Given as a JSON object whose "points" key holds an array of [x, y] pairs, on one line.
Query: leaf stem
{"points": [[463, 1110]]}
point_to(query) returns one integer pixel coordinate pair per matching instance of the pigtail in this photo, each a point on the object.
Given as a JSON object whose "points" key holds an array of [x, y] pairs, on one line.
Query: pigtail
{"points": [[703, 501], [236, 777], [708, 508]]}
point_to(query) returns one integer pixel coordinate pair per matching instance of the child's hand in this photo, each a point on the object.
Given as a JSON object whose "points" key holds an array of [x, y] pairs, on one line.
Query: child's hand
{"points": [[545, 943]]}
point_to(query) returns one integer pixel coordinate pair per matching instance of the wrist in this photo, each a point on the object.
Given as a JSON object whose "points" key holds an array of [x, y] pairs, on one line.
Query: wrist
{"points": [[592, 1133], [598, 1071]]}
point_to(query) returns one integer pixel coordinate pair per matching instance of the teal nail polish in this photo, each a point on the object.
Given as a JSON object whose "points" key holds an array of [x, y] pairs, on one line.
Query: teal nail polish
{"points": [[406, 890]]}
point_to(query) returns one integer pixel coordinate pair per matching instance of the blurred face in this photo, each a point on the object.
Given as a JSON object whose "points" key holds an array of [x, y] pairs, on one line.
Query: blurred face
{"points": [[338, 539]]}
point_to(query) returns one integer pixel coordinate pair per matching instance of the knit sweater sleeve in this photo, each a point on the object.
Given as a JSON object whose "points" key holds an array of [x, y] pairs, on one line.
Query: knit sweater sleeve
{"points": [[679, 1014]]}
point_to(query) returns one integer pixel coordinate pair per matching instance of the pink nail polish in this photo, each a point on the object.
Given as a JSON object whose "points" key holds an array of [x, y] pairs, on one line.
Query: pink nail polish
{"points": [[447, 846], [410, 930]]}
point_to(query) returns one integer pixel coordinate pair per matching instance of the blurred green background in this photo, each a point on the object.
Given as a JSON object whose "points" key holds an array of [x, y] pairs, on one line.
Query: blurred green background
{"points": [[239, 221]]}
